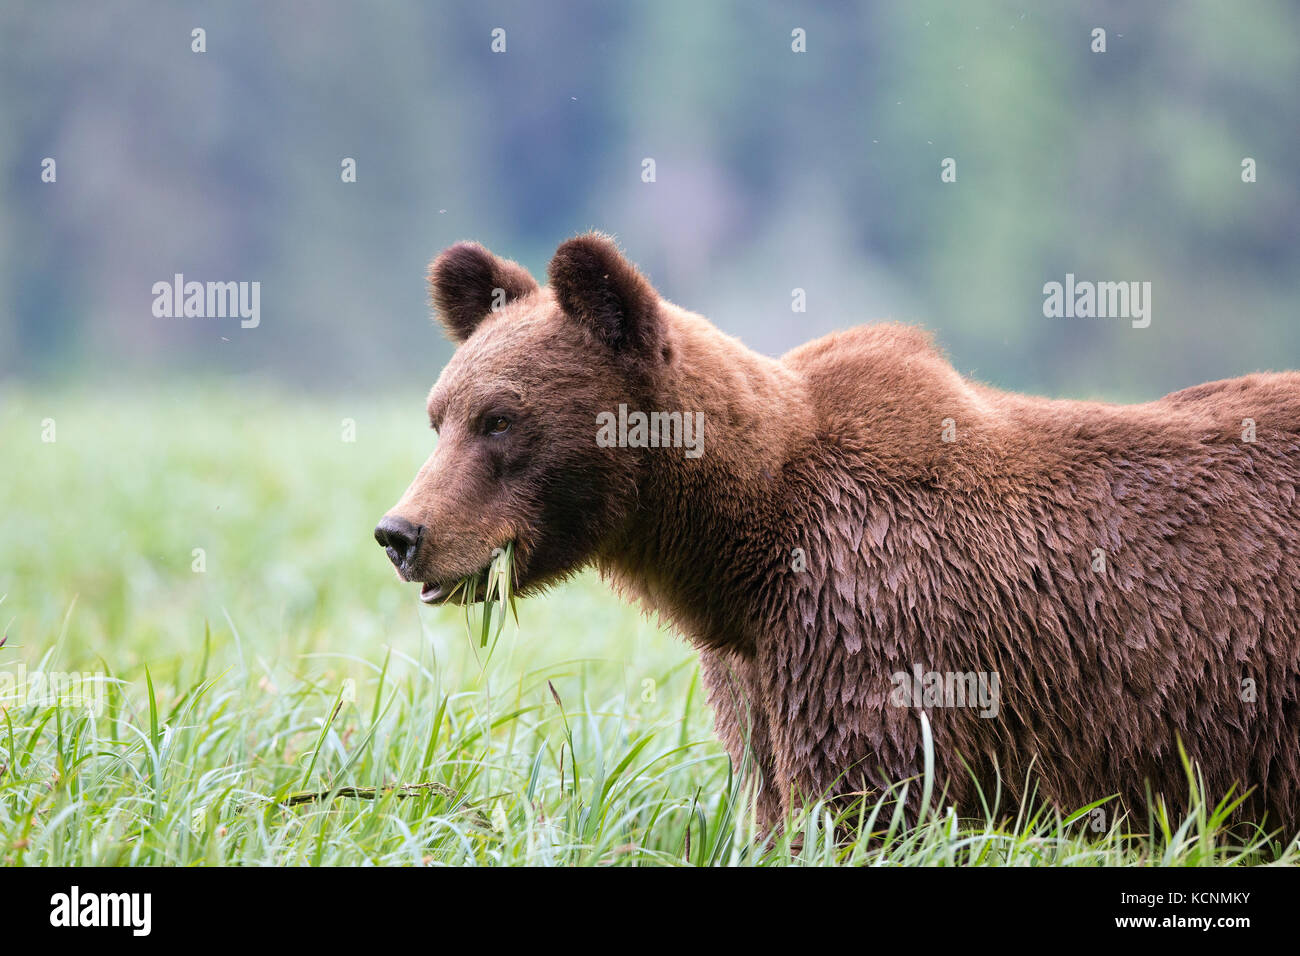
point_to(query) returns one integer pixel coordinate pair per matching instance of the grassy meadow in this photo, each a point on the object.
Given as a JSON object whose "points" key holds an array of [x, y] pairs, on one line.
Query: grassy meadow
{"points": [[210, 552]]}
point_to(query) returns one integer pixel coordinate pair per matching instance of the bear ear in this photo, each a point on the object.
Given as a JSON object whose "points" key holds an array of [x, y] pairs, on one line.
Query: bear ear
{"points": [[466, 282], [595, 285]]}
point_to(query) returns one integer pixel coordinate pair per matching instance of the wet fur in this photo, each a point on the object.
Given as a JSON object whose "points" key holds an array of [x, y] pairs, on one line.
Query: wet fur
{"points": [[970, 555]]}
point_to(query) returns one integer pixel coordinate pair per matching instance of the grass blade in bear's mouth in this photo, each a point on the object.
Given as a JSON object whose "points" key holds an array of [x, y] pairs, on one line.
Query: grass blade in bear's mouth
{"points": [[493, 587]]}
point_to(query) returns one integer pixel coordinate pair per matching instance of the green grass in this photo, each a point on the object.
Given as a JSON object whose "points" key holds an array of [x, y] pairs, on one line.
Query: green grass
{"points": [[295, 662]]}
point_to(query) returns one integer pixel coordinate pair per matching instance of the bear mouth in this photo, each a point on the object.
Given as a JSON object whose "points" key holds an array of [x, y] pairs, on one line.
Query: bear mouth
{"points": [[432, 592], [442, 592], [456, 590]]}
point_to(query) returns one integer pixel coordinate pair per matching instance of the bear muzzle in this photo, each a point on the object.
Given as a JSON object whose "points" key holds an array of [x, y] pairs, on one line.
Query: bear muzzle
{"points": [[400, 540]]}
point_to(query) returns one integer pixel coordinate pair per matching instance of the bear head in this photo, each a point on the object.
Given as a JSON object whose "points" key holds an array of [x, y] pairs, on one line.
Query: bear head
{"points": [[515, 411]]}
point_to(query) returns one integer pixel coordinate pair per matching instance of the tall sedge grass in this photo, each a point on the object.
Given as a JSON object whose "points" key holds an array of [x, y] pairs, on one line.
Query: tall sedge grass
{"points": [[203, 775], [209, 553]]}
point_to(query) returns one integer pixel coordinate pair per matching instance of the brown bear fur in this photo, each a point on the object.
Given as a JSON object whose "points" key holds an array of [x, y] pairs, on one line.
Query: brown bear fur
{"points": [[970, 555]]}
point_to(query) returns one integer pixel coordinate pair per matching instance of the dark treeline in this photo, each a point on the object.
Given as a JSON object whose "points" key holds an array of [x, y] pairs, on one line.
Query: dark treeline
{"points": [[774, 170]]}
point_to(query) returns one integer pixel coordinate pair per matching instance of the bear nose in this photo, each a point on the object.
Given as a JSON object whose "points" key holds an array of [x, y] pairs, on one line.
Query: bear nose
{"points": [[399, 538]]}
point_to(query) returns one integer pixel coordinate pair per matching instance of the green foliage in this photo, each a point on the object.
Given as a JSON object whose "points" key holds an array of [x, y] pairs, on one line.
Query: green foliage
{"points": [[775, 170], [295, 661]]}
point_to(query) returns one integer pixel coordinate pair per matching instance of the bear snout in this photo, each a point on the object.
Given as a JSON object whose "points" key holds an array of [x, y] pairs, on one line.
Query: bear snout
{"points": [[400, 539]]}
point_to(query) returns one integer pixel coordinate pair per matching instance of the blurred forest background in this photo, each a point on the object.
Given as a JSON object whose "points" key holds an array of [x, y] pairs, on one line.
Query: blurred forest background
{"points": [[775, 170]]}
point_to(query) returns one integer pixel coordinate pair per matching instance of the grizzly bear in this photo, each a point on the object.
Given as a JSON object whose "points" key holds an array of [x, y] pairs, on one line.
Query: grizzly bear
{"points": [[1072, 592]]}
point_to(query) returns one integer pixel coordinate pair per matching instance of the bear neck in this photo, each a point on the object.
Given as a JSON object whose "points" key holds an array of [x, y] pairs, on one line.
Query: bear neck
{"points": [[696, 546]]}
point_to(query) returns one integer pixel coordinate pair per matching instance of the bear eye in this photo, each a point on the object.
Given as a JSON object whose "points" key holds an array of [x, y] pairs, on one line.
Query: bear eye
{"points": [[497, 424]]}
